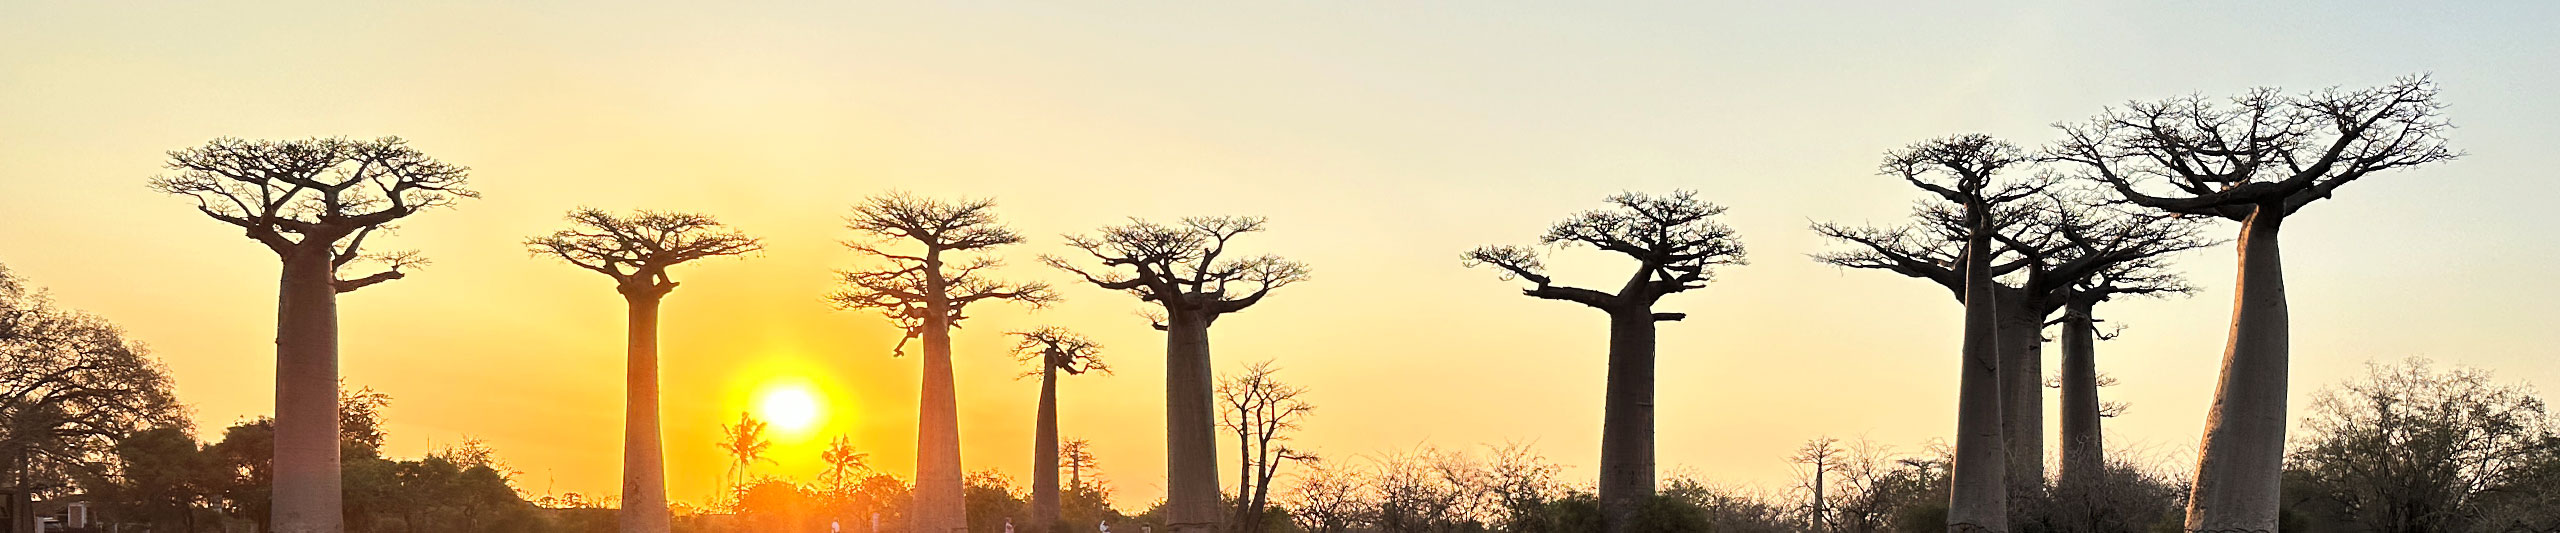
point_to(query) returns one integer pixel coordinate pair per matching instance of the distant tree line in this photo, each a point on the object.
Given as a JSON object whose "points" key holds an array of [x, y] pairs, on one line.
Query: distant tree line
{"points": [[2017, 234]]}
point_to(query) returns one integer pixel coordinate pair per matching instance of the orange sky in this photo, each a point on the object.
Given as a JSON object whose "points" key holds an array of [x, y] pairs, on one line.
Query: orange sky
{"points": [[1381, 140]]}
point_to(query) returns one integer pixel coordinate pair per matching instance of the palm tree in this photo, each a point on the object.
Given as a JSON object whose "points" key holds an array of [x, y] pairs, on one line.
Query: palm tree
{"points": [[1056, 350], [746, 445], [636, 251], [845, 465]]}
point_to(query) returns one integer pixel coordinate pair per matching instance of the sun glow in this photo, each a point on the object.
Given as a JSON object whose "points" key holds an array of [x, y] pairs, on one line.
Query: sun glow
{"points": [[792, 408]]}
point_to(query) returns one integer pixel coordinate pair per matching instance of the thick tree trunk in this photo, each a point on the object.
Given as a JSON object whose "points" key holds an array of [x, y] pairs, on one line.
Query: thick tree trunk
{"points": [[644, 465], [1191, 438], [1044, 452], [939, 507], [2020, 332], [2242, 457], [1979, 497], [2083, 452], [1626, 429], [2083, 449], [307, 494]]}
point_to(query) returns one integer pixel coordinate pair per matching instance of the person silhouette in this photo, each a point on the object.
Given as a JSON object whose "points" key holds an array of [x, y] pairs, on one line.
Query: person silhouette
{"points": [[1008, 525]]}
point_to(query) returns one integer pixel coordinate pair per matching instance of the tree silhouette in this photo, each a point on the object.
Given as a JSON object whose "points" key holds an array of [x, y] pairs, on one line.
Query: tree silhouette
{"points": [[313, 202], [1261, 411], [1821, 456], [926, 293], [1076, 456], [1186, 269], [1963, 171], [71, 387], [1056, 350], [845, 467], [746, 444], [2084, 463], [1677, 246], [2048, 246], [2256, 160], [636, 251]]}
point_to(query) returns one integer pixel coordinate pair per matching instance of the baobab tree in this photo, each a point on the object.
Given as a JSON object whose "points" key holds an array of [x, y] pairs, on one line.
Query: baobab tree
{"points": [[1963, 171], [1056, 350], [2257, 160], [2045, 245], [1261, 411], [1076, 455], [1188, 272], [926, 292], [636, 251], [313, 202], [1677, 246], [2083, 446], [1822, 455]]}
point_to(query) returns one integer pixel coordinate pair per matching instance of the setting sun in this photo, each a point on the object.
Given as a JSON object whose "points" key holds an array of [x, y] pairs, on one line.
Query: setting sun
{"points": [[792, 408]]}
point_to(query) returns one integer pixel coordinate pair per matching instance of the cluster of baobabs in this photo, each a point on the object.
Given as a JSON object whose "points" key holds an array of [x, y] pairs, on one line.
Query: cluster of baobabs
{"points": [[2016, 234]]}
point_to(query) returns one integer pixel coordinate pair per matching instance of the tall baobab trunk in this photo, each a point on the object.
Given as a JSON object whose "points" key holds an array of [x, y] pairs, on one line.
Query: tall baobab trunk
{"points": [[644, 464], [1626, 430], [1191, 438], [307, 494], [939, 506], [1979, 497], [1044, 451], [2020, 334], [2241, 460], [2083, 451]]}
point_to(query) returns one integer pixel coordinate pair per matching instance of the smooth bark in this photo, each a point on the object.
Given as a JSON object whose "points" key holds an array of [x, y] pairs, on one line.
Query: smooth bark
{"points": [[939, 503], [1626, 429], [2083, 448], [1979, 496], [644, 470], [1191, 438], [2082, 444], [2020, 334], [2242, 458], [307, 494], [1044, 451]]}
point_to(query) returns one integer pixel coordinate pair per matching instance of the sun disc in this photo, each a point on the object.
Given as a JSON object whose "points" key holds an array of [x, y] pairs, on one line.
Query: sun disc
{"points": [[789, 408]]}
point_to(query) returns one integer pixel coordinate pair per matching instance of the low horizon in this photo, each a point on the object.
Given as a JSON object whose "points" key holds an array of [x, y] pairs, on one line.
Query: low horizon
{"points": [[1380, 144]]}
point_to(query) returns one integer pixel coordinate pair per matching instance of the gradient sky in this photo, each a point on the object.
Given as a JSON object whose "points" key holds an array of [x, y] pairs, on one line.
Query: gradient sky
{"points": [[1381, 139]]}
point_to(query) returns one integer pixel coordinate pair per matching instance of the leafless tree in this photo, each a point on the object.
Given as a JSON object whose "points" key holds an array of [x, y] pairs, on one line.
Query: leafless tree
{"points": [[636, 251], [1820, 456], [2050, 248], [1076, 455], [2084, 463], [1187, 270], [1964, 171], [1056, 350], [2256, 159], [926, 292], [1330, 499], [313, 202], [1261, 411], [1677, 246]]}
